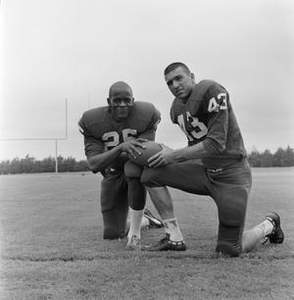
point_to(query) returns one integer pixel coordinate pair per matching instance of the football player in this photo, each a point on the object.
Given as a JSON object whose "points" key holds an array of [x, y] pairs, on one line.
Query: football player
{"points": [[111, 133], [204, 113]]}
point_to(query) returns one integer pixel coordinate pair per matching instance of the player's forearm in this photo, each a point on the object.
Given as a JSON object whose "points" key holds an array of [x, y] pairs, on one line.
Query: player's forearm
{"points": [[99, 162], [191, 152]]}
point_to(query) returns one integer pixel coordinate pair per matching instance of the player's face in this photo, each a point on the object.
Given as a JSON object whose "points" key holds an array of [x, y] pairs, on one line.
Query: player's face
{"points": [[121, 103], [180, 83]]}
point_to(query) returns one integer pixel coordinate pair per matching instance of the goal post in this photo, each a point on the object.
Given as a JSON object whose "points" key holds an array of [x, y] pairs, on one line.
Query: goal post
{"points": [[55, 139]]}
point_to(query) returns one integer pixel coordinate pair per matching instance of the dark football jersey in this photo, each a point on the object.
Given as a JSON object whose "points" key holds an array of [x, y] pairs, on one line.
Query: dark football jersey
{"points": [[101, 132], [208, 117]]}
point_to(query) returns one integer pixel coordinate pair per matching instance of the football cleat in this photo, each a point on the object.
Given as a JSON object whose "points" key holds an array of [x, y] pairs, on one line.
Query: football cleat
{"points": [[133, 244], [167, 245], [153, 221], [277, 235]]}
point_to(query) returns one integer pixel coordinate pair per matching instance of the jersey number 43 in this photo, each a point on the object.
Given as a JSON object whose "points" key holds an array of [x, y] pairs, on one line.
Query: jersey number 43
{"points": [[199, 128]]}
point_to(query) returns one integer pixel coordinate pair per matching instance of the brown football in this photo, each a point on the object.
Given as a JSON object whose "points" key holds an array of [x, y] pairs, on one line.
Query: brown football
{"points": [[150, 149]]}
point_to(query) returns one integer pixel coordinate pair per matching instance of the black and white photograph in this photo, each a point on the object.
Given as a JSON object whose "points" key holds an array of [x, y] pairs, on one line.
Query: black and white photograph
{"points": [[146, 149]]}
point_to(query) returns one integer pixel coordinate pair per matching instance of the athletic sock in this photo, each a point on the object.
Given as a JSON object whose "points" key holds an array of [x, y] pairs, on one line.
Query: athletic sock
{"points": [[265, 228], [135, 222], [145, 222], [172, 228], [268, 226]]}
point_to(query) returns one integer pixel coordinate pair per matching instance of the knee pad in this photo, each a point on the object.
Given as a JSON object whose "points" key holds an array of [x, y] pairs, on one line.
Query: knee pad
{"points": [[148, 177], [131, 170]]}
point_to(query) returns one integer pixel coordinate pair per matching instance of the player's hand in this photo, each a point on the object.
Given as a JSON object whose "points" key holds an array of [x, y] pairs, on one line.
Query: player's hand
{"points": [[162, 158], [132, 147], [141, 140]]}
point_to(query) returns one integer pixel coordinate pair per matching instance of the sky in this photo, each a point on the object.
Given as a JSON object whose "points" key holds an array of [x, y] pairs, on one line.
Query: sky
{"points": [[67, 51]]}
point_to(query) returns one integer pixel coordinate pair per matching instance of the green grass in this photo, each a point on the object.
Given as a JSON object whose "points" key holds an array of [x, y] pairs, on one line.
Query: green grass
{"points": [[52, 247]]}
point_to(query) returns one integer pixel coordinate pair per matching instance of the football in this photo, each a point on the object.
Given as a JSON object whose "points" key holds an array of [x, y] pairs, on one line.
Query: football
{"points": [[150, 149]]}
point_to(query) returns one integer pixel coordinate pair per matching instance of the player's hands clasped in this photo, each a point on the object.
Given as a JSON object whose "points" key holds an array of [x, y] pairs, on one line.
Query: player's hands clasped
{"points": [[132, 146], [162, 158]]}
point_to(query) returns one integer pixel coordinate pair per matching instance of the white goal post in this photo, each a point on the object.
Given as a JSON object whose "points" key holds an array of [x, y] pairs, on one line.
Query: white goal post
{"points": [[55, 139]]}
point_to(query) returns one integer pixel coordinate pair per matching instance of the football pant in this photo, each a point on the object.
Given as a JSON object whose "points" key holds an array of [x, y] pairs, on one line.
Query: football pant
{"points": [[117, 194], [229, 187]]}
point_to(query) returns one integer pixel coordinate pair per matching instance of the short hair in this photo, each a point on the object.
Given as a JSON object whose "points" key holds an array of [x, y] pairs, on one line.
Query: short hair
{"points": [[119, 85], [176, 65]]}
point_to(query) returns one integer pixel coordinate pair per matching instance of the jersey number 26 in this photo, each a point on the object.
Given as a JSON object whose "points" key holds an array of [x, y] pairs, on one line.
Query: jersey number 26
{"points": [[111, 139]]}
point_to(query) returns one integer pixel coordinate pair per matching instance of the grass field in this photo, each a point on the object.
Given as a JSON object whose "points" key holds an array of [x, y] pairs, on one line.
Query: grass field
{"points": [[51, 245]]}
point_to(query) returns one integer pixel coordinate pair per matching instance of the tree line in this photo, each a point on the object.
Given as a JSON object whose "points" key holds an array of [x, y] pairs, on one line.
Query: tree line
{"points": [[281, 158], [29, 164]]}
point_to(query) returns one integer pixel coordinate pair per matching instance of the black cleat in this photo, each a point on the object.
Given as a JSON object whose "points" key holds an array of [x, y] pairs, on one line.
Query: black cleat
{"points": [[153, 221], [167, 245], [277, 235]]}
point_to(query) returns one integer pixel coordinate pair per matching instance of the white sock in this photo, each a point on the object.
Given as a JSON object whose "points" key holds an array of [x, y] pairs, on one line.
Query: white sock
{"points": [[135, 222], [145, 222], [266, 227], [172, 228]]}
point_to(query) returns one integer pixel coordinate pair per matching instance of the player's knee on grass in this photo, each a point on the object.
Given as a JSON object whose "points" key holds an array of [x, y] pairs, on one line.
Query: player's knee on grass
{"points": [[131, 170], [229, 240], [114, 206], [232, 211], [114, 223], [232, 250], [111, 234]]}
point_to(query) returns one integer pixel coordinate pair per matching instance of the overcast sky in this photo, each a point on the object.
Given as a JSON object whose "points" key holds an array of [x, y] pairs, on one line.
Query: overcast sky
{"points": [[66, 49]]}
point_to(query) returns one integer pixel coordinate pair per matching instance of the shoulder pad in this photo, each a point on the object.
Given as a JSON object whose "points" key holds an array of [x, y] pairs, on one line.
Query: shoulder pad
{"points": [[202, 87], [145, 110], [93, 115]]}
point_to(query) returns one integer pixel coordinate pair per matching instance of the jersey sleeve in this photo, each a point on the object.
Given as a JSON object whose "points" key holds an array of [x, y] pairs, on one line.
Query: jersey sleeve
{"points": [[172, 111], [92, 145], [216, 107], [154, 120]]}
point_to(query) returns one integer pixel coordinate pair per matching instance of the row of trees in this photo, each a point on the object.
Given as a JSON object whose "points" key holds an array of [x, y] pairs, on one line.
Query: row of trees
{"points": [[281, 158], [28, 164]]}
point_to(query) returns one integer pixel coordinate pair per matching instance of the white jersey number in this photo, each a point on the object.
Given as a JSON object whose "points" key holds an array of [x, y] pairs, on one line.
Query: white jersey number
{"points": [[111, 139], [213, 104], [199, 131]]}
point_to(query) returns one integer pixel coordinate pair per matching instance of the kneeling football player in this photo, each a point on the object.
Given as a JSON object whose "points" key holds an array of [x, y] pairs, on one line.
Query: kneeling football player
{"points": [[204, 112], [111, 134]]}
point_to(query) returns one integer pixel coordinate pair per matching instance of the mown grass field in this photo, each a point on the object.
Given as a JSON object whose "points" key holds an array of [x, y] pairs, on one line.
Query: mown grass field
{"points": [[51, 245]]}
